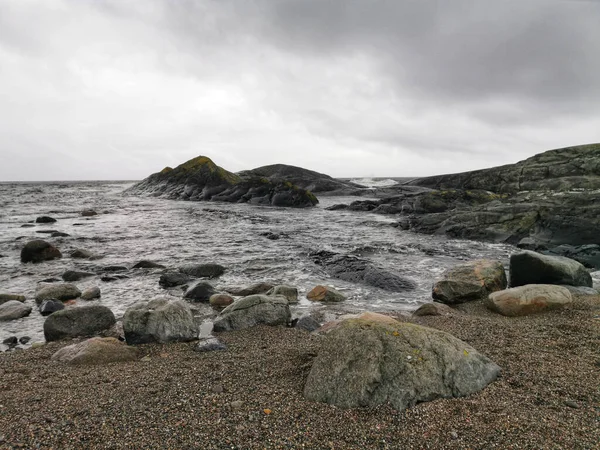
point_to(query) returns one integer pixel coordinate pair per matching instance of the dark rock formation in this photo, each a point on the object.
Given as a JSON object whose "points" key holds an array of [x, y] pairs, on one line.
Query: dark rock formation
{"points": [[306, 179], [534, 268], [81, 321], [200, 179], [551, 199], [37, 251], [209, 270], [357, 270]]}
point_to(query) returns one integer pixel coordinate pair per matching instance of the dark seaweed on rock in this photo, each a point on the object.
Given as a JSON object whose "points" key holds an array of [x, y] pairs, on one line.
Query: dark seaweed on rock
{"points": [[200, 179]]}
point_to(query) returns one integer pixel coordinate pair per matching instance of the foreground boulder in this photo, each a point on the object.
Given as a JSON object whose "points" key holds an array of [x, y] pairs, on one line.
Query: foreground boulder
{"points": [[254, 310], [534, 268], [200, 179], [325, 294], [37, 251], [58, 291], [471, 281], [80, 321], [357, 270], [530, 299], [13, 309], [159, 320], [368, 362], [96, 350]]}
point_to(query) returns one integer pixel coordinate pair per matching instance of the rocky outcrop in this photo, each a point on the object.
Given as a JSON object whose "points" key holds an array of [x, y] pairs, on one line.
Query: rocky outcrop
{"points": [[551, 199], [37, 251], [95, 351], [316, 182], [254, 310], [200, 179], [58, 291], [530, 299], [13, 309], [159, 320], [80, 321], [368, 362], [534, 268], [357, 270], [470, 281]]}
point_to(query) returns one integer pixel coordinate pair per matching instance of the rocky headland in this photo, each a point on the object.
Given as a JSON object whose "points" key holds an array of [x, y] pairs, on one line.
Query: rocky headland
{"points": [[200, 179], [549, 202]]}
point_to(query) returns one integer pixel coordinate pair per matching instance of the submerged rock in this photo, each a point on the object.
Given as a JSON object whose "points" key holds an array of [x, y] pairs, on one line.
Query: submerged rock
{"points": [[13, 309], [74, 275], [254, 310], [172, 279], [96, 350], [200, 179], [91, 293], [471, 281], [160, 320], [145, 264], [357, 270], [530, 299], [45, 219], [534, 268], [81, 254], [37, 251], [203, 270], [368, 362], [80, 321]]}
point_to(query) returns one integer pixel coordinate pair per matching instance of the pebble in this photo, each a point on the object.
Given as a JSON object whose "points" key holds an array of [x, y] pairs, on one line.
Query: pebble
{"points": [[572, 404]]}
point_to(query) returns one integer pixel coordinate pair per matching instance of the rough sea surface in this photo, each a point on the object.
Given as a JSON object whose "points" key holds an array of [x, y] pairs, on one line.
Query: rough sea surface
{"points": [[128, 229]]}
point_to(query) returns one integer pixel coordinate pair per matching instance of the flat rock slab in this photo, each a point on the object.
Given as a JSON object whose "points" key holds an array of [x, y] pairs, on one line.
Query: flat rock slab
{"points": [[530, 299], [365, 363], [79, 321], [254, 310], [471, 281], [96, 351], [534, 268]]}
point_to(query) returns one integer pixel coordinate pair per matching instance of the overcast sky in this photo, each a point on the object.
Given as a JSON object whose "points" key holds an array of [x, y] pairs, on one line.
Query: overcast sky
{"points": [[118, 89]]}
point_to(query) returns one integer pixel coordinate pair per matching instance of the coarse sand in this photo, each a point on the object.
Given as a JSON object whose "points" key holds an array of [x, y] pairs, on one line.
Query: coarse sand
{"points": [[250, 396]]}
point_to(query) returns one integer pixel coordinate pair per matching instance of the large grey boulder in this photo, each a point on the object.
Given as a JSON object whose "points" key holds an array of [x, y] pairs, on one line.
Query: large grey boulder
{"points": [[254, 310], [530, 299], [37, 251], [96, 350], [13, 309], [471, 281], [58, 291], [159, 320], [80, 321], [534, 268], [370, 362]]}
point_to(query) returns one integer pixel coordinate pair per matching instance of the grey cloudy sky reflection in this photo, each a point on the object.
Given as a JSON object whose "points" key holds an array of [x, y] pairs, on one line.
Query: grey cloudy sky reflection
{"points": [[119, 89]]}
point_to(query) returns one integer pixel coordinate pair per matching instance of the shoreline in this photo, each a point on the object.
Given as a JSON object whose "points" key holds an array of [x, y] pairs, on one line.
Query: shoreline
{"points": [[547, 395]]}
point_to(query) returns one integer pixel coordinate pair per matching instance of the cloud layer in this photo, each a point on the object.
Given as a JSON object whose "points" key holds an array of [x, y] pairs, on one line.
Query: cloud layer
{"points": [[118, 89]]}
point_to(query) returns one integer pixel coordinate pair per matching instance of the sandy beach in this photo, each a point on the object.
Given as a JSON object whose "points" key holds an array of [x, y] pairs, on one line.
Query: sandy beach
{"points": [[250, 396]]}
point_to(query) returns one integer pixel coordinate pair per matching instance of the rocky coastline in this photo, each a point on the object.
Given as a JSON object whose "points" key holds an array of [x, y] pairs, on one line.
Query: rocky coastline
{"points": [[503, 355]]}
